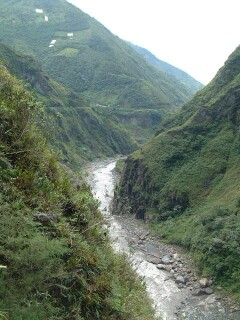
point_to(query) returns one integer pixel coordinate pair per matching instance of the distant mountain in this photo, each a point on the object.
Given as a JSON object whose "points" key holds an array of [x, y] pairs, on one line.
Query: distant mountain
{"points": [[186, 179], [81, 132], [81, 54], [179, 74], [93, 61]]}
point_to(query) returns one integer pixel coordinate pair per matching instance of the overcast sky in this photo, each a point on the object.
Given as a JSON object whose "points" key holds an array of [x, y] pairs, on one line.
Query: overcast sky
{"points": [[196, 36]]}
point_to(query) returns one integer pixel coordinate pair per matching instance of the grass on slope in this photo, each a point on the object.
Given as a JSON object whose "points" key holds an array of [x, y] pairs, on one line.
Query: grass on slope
{"points": [[186, 179], [78, 132], [55, 260], [85, 134]]}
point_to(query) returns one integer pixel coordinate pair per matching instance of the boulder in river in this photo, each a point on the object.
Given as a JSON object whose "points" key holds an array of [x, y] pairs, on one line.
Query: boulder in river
{"points": [[208, 291], [180, 279], [197, 292], [165, 260], [155, 260]]}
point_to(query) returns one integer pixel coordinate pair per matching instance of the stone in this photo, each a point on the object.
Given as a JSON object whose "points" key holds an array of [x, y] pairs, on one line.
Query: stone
{"points": [[180, 286], [46, 218], [197, 286], [165, 260], [175, 256], [197, 292], [160, 267], [180, 279], [168, 268], [208, 291], [153, 251], [203, 282], [155, 260]]}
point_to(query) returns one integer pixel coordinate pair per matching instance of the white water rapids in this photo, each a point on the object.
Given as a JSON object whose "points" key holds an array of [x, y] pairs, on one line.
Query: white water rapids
{"points": [[170, 302]]}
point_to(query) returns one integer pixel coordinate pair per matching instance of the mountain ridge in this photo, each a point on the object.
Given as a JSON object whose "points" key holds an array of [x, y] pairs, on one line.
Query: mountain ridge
{"points": [[80, 132], [168, 68], [185, 179], [81, 54]]}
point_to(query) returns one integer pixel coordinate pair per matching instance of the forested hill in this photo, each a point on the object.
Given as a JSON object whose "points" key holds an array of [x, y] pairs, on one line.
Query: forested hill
{"points": [[186, 179], [82, 54], [180, 75], [77, 131]]}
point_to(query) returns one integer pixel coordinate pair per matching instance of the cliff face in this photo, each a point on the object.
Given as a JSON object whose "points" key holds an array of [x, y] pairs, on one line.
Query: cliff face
{"points": [[186, 179]]}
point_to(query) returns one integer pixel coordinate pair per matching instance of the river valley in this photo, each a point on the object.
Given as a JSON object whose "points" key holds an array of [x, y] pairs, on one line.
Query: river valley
{"points": [[167, 272]]}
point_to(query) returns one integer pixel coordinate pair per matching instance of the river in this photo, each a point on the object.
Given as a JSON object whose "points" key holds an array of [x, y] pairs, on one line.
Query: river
{"points": [[130, 236]]}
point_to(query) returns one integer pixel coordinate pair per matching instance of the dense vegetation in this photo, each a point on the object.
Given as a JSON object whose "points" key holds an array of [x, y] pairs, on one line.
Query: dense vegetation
{"points": [[186, 179], [55, 259], [81, 132], [178, 74], [94, 63]]}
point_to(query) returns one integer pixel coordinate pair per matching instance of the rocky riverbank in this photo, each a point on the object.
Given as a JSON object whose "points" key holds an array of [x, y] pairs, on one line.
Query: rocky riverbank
{"points": [[199, 295], [171, 280]]}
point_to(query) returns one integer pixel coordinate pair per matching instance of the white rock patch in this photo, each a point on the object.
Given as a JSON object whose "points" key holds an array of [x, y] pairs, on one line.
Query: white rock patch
{"points": [[53, 42], [39, 10], [46, 18], [70, 34]]}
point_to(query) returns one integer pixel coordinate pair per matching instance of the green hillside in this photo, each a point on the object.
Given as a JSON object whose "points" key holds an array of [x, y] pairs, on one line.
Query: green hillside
{"points": [[90, 60], [31, 72], [186, 179], [93, 61], [78, 131], [55, 260], [178, 74]]}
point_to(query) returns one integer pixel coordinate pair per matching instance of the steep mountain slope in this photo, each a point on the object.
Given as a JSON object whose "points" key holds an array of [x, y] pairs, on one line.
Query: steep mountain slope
{"points": [[55, 261], [92, 60], [179, 74], [80, 132], [80, 53], [30, 71], [186, 179]]}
